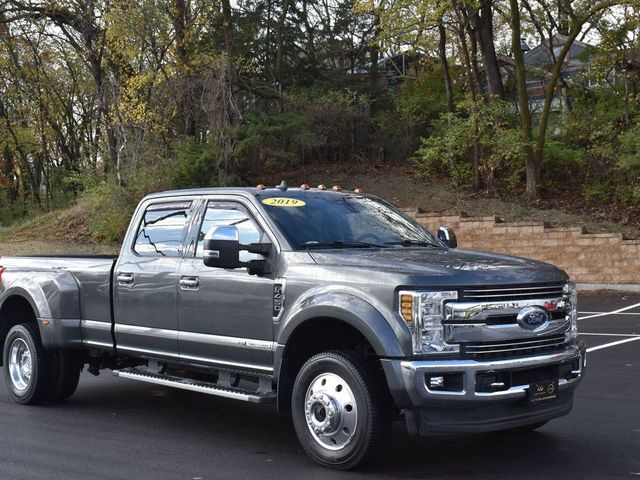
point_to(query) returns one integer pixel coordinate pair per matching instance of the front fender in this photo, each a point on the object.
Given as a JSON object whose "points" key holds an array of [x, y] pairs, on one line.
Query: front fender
{"points": [[387, 337], [53, 296], [357, 312]]}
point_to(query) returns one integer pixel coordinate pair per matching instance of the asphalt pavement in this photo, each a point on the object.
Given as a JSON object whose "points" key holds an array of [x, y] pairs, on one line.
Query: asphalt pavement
{"points": [[122, 429]]}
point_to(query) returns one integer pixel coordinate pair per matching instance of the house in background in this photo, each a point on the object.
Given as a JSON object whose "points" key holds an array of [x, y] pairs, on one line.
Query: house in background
{"points": [[539, 62], [392, 69], [576, 70]]}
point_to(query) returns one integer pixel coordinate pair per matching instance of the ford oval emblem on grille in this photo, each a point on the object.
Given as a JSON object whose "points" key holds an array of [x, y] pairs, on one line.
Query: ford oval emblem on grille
{"points": [[531, 318]]}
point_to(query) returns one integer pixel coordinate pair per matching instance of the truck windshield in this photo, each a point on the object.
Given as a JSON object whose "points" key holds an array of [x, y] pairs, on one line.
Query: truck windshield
{"points": [[337, 220]]}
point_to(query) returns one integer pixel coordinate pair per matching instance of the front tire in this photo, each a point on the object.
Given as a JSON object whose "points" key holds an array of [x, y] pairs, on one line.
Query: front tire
{"points": [[340, 411], [26, 367]]}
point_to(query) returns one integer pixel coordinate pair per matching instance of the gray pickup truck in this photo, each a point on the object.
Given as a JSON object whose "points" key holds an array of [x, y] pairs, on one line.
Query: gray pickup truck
{"points": [[332, 304]]}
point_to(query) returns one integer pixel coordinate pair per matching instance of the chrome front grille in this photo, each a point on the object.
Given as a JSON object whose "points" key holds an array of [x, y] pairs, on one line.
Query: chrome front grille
{"points": [[483, 321], [512, 293], [511, 319], [521, 347]]}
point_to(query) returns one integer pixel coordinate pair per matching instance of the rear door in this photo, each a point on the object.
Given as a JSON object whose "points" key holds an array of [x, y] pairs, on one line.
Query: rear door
{"points": [[226, 316], [146, 279]]}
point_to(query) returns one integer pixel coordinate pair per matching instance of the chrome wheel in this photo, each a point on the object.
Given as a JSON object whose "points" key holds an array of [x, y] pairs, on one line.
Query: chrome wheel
{"points": [[20, 365], [331, 411]]}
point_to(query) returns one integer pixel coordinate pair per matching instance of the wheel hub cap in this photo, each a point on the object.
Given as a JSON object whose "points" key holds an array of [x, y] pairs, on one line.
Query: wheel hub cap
{"points": [[331, 411], [20, 366]]}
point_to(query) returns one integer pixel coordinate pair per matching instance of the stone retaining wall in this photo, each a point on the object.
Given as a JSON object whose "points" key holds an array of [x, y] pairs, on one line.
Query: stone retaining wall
{"points": [[600, 258]]}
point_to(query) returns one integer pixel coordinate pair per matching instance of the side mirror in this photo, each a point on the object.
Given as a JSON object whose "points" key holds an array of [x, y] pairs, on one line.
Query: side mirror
{"points": [[448, 237], [222, 248]]}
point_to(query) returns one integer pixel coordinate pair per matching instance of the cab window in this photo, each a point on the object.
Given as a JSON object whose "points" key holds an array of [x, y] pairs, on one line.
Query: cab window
{"points": [[162, 229], [220, 214]]}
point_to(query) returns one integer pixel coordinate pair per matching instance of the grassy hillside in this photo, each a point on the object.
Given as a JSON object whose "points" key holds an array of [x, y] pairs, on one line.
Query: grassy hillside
{"points": [[400, 186], [68, 231], [62, 231]]}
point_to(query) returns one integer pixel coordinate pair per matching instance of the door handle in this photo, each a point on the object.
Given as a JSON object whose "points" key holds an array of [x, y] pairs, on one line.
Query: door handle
{"points": [[125, 278], [189, 283]]}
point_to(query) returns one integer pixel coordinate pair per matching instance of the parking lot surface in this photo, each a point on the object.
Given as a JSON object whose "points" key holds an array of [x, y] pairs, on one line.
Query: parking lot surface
{"points": [[121, 429]]}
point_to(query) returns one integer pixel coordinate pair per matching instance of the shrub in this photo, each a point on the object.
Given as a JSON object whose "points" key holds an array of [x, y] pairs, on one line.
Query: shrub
{"points": [[110, 205], [196, 164], [629, 166], [449, 150], [272, 140], [562, 163]]}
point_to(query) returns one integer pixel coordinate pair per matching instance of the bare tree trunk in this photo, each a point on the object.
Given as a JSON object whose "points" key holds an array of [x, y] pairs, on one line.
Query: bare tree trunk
{"points": [[374, 72], [279, 48], [531, 160], [550, 89], [310, 34], [442, 52], [227, 26], [474, 90], [563, 17], [627, 119], [469, 51], [180, 27], [477, 154], [267, 37], [488, 49], [229, 38], [474, 87], [473, 54], [8, 171]]}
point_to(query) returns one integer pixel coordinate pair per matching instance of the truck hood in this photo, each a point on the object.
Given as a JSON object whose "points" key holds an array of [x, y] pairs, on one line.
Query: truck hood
{"points": [[443, 266]]}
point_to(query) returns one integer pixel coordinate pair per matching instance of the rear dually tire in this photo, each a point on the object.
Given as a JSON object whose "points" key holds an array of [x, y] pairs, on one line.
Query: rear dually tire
{"points": [[26, 365]]}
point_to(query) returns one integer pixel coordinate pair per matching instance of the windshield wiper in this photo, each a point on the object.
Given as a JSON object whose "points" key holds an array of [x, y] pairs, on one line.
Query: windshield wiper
{"points": [[412, 243], [341, 244]]}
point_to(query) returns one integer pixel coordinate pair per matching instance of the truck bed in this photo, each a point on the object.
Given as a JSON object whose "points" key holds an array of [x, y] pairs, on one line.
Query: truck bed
{"points": [[78, 287]]}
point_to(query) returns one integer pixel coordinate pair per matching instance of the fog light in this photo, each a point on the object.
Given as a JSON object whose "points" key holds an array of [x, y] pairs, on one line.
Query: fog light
{"points": [[436, 382], [447, 382]]}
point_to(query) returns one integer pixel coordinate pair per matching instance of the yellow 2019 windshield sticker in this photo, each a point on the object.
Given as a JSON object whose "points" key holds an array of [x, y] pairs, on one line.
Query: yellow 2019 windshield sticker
{"points": [[283, 202]]}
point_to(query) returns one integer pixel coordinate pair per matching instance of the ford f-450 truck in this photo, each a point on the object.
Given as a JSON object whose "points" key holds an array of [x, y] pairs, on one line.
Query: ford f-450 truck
{"points": [[332, 304]]}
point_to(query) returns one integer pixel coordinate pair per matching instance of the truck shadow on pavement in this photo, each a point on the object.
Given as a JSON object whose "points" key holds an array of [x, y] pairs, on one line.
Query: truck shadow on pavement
{"points": [[227, 430]]}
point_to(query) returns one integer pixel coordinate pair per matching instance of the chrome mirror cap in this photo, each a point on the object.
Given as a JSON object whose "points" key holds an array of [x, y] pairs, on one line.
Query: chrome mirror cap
{"points": [[447, 236], [222, 247]]}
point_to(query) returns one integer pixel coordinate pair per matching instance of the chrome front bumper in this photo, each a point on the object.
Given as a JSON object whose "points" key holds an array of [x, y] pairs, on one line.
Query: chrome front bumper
{"points": [[408, 385]]}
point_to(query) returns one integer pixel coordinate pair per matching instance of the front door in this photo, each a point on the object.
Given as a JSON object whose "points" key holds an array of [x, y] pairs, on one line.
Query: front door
{"points": [[226, 316], [146, 281]]}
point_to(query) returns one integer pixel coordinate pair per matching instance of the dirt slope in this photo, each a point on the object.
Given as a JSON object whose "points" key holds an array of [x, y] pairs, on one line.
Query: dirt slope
{"points": [[403, 188], [66, 231]]}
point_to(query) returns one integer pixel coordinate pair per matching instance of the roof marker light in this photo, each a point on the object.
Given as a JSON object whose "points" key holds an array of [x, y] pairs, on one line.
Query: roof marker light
{"points": [[322, 186], [261, 186], [336, 188], [358, 190], [304, 186]]}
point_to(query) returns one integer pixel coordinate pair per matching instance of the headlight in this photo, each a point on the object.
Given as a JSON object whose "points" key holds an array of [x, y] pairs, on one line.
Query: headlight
{"points": [[423, 313], [571, 296]]}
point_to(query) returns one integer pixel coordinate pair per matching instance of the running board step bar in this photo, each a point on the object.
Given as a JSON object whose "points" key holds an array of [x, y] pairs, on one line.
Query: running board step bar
{"points": [[197, 386]]}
